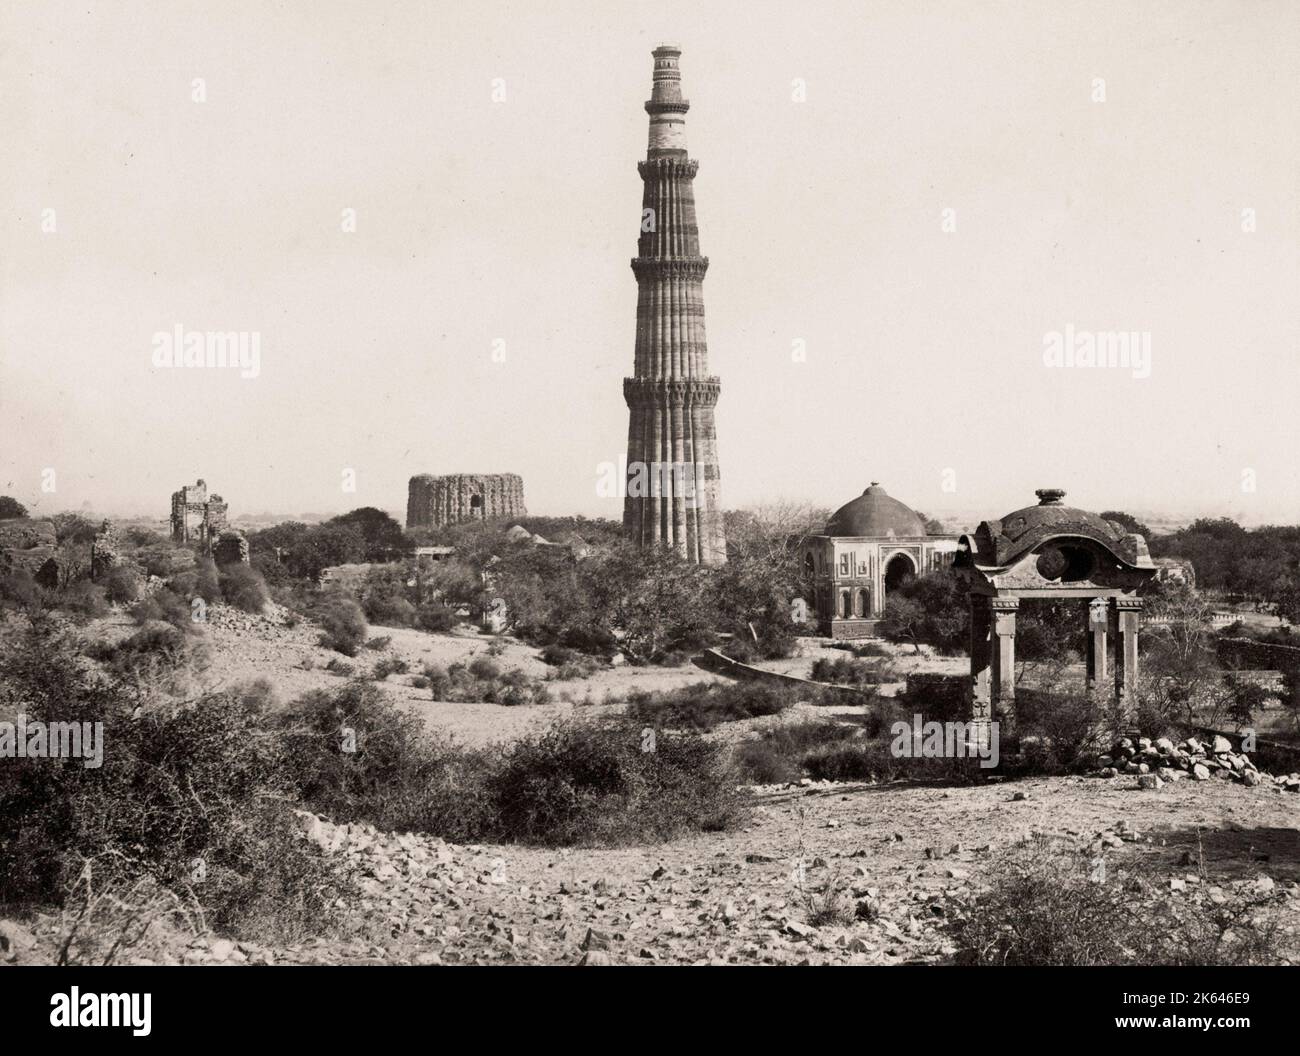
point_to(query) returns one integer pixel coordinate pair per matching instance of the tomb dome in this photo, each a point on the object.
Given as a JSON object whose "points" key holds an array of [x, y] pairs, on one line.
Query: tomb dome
{"points": [[876, 514]]}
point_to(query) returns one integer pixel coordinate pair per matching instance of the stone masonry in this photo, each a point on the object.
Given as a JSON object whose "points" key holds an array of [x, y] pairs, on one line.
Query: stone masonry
{"points": [[672, 444], [433, 502], [197, 517]]}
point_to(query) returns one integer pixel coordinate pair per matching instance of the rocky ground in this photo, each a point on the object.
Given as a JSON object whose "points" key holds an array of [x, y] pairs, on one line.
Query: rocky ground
{"points": [[239, 647], [741, 897]]}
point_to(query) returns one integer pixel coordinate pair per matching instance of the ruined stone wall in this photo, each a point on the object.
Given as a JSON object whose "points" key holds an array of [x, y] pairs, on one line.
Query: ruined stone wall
{"points": [[230, 548], [433, 502], [196, 516]]}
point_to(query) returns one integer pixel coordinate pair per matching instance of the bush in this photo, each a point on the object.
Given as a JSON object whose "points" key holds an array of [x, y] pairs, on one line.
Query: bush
{"points": [[777, 755], [177, 786], [343, 624], [1048, 906], [573, 784], [705, 705], [389, 665], [1061, 731], [481, 667], [397, 775], [435, 617], [461, 684], [18, 590], [121, 585], [157, 649], [202, 581], [557, 655], [243, 587], [597, 784], [390, 610], [83, 598], [845, 672], [166, 606]]}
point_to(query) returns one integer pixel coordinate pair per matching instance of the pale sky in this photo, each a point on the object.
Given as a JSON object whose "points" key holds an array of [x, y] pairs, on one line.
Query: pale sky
{"points": [[483, 220]]}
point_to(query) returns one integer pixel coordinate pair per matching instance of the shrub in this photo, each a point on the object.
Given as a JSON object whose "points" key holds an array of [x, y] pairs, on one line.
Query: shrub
{"points": [[202, 581], [705, 705], [243, 587], [83, 598], [596, 784], [435, 617], [343, 624], [19, 590], [557, 655], [389, 665], [575, 783], [481, 667], [777, 755], [121, 584], [156, 650], [390, 609], [845, 672], [1061, 731], [397, 776], [164, 605], [176, 786], [1047, 906], [515, 687], [437, 681], [164, 560], [579, 668], [482, 682]]}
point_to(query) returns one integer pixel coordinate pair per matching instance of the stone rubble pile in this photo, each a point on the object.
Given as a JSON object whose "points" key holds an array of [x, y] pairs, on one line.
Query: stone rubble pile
{"points": [[1157, 763]]}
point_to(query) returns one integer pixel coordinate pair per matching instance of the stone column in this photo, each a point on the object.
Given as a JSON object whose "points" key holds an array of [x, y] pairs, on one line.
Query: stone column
{"points": [[1003, 611], [1127, 616], [1098, 617], [981, 675]]}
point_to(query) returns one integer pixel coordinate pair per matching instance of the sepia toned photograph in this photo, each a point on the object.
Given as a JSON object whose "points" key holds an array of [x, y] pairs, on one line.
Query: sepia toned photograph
{"points": [[622, 484]]}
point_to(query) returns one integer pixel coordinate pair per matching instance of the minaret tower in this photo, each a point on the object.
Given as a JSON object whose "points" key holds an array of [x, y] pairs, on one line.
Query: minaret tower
{"points": [[672, 444]]}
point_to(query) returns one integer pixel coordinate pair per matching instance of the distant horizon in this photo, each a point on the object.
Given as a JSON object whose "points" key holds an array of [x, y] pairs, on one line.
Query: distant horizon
{"points": [[967, 518]]}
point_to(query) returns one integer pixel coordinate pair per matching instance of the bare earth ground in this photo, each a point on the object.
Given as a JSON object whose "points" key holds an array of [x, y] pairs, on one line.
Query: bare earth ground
{"points": [[241, 648], [733, 897]]}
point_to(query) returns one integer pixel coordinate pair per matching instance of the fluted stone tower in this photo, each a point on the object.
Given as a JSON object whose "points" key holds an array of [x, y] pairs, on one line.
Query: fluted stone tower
{"points": [[672, 445]]}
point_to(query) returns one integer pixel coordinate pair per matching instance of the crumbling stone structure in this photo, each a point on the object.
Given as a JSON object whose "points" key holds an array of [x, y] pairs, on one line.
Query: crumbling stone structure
{"points": [[433, 502], [105, 550], [230, 548], [196, 516], [30, 545]]}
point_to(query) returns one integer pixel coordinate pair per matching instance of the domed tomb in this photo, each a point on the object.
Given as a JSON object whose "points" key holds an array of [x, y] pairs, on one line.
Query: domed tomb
{"points": [[870, 546]]}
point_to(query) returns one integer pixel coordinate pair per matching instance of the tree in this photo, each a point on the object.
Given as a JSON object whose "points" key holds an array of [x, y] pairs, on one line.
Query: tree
{"points": [[10, 507], [931, 610], [1127, 521], [324, 545], [73, 528], [381, 533]]}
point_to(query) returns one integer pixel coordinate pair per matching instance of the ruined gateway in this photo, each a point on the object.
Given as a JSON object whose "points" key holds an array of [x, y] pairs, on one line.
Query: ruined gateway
{"points": [[433, 502]]}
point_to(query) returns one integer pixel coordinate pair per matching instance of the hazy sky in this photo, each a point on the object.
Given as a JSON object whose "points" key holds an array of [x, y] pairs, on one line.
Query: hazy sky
{"points": [[831, 138]]}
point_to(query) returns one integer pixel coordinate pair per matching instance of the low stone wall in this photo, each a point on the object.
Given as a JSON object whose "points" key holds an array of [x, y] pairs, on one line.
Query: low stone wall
{"points": [[720, 664], [1249, 653]]}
